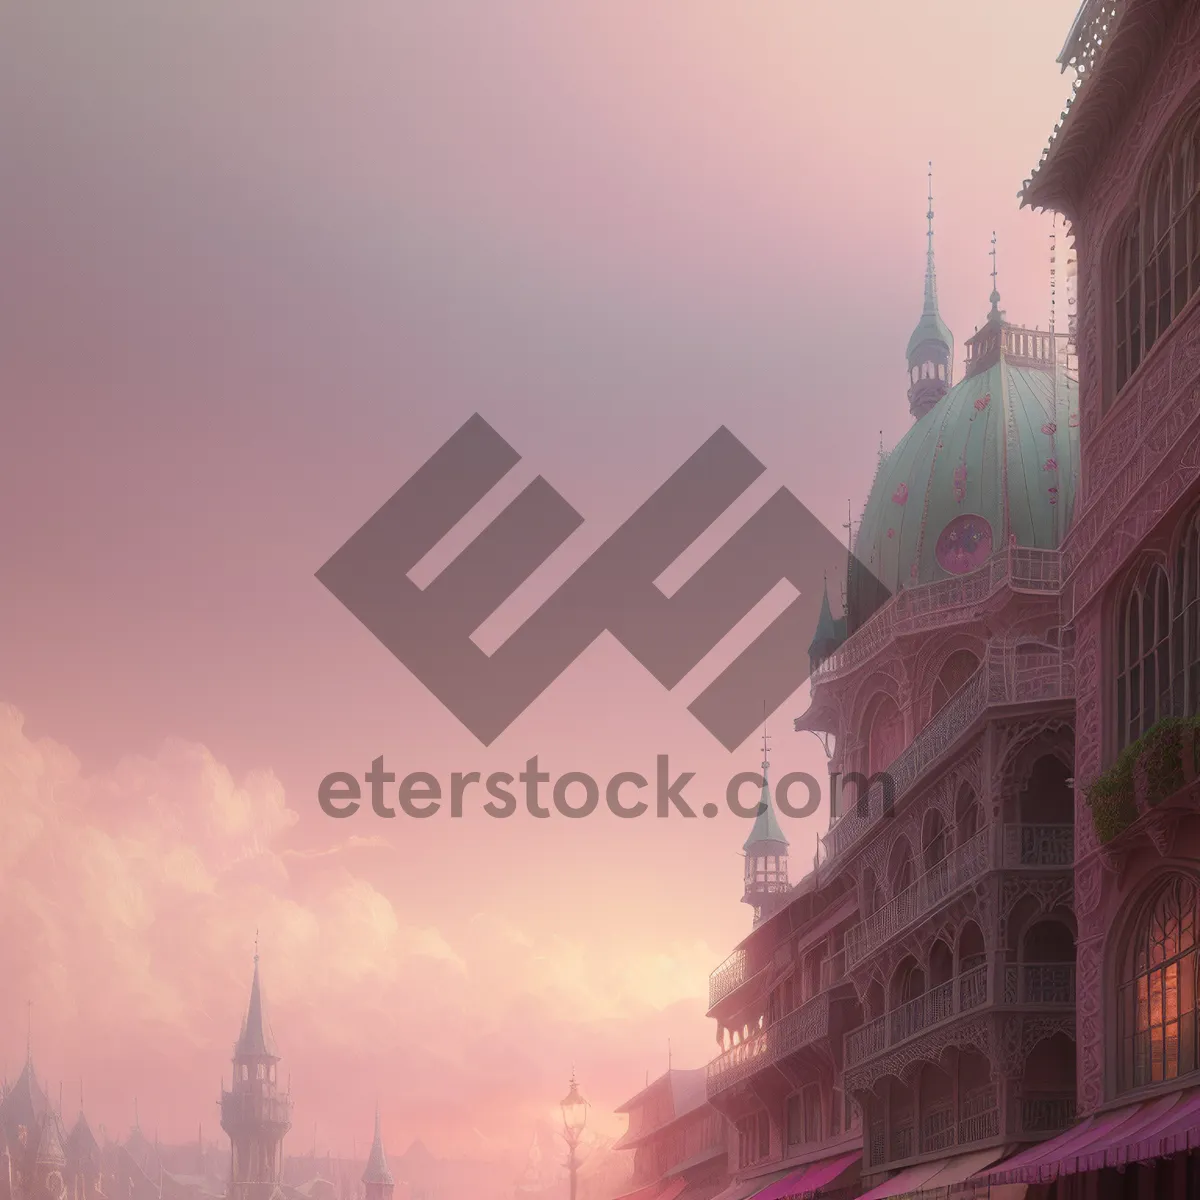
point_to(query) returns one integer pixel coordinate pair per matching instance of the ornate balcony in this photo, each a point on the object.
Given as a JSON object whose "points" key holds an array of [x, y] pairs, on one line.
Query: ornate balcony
{"points": [[250, 1108], [801, 1027], [913, 610], [1050, 984], [940, 1128], [1045, 1112], [1007, 677], [1051, 846], [736, 970], [962, 866]]}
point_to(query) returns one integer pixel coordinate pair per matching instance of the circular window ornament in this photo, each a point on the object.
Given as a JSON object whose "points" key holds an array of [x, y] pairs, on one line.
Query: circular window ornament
{"points": [[964, 545]]}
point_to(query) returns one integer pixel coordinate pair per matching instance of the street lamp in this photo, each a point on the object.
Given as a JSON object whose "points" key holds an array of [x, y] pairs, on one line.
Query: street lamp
{"points": [[574, 1110]]}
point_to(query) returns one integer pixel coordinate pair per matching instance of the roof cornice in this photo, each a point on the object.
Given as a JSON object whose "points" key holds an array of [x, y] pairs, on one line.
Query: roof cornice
{"points": [[1111, 46]]}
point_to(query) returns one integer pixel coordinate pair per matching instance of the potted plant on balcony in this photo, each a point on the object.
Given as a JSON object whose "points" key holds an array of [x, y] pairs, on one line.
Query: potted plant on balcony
{"points": [[1110, 797], [1166, 761]]}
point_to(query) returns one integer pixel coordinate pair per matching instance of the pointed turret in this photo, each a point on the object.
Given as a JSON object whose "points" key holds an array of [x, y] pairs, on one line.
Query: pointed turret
{"points": [[378, 1181], [766, 850], [931, 347], [50, 1152], [829, 635], [24, 1105], [254, 1113], [255, 1040]]}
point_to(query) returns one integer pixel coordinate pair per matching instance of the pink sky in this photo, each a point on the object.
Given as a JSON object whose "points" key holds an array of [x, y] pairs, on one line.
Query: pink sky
{"points": [[259, 263]]}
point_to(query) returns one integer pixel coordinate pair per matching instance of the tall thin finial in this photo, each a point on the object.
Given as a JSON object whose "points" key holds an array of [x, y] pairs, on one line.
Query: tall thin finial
{"points": [[766, 741], [995, 297], [849, 527], [256, 947], [1052, 281], [668, 1054], [930, 272], [29, 1031]]}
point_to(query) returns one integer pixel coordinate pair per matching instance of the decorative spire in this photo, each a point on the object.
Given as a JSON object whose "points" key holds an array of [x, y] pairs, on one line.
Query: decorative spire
{"points": [[766, 825], [995, 314], [377, 1171], [930, 351], [253, 1041], [931, 306]]}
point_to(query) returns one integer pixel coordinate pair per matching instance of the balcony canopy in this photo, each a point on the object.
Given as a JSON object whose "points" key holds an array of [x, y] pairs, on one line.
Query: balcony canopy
{"points": [[1135, 1133], [934, 1176]]}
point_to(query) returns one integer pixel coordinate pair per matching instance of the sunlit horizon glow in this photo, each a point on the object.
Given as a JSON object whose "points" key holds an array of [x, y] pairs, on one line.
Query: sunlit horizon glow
{"points": [[262, 264]]}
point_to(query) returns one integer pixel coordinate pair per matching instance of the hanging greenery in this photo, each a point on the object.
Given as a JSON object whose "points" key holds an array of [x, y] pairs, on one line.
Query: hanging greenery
{"points": [[1146, 772]]}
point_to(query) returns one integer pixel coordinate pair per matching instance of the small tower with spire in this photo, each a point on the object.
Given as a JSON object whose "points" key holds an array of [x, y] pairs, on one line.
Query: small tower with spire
{"points": [[378, 1181], [254, 1112], [829, 634], [766, 880], [931, 347]]}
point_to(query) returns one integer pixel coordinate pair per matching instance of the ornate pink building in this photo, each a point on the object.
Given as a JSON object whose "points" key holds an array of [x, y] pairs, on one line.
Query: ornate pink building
{"points": [[989, 982]]}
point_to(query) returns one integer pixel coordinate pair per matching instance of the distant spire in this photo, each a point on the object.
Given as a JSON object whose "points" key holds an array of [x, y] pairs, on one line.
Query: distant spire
{"points": [[930, 272], [377, 1169], [766, 824], [254, 1041]]}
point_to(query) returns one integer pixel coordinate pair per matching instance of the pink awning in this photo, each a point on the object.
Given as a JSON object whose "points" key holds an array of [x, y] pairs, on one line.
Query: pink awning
{"points": [[809, 1179], [908, 1180], [644, 1193], [672, 1189], [939, 1175], [1136, 1132]]}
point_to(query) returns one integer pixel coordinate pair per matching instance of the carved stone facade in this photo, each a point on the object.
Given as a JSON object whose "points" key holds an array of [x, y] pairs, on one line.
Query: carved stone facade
{"points": [[1140, 459]]}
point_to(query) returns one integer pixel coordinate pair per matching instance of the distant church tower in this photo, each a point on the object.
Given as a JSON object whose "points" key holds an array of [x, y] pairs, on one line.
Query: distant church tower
{"points": [[379, 1182], [931, 347], [766, 854], [254, 1113]]}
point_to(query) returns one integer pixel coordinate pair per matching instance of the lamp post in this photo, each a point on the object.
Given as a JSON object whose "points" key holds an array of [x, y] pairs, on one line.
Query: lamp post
{"points": [[574, 1110]]}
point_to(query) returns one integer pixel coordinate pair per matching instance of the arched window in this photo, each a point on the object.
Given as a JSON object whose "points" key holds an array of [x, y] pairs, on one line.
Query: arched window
{"points": [[1143, 656], [1158, 1008], [1157, 262]]}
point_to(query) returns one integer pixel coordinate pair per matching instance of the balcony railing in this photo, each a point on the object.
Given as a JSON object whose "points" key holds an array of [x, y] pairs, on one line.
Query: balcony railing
{"points": [[801, 1027], [1039, 983], [1039, 845], [1021, 568], [1007, 677], [728, 977], [248, 1107], [1023, 983], [963, 865], [1046, 1112], [941, 1128], [939, 1004]]}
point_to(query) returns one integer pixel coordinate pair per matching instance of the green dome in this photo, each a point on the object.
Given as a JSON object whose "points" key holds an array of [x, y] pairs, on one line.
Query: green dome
{"points": [[997, 455]]}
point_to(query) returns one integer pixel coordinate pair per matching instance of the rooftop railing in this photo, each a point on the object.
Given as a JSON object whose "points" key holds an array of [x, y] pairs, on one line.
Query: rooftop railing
{"points": [[1021, 568]]}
